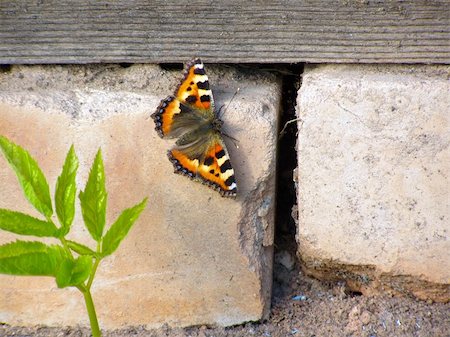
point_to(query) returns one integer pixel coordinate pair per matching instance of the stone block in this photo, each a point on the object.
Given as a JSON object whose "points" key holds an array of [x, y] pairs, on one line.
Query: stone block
{"points": [[373, 177], [193, 257]]}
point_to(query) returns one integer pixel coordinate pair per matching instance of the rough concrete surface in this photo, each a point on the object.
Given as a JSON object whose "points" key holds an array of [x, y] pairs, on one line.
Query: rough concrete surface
{"points": [[193, 257], [373, 177]]}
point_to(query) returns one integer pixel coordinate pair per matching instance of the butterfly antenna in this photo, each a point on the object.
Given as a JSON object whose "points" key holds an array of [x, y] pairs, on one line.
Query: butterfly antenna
{"points": [[234, 140], [221, 112]]}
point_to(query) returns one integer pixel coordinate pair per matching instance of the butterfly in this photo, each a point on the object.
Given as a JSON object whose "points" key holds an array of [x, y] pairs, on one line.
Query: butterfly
{"points": [[189, 115]]}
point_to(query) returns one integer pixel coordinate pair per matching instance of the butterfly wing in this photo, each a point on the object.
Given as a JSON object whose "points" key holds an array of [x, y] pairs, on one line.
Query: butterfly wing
{"points": [[194, 90], [192, 104], [212, 167], [215, 170]]}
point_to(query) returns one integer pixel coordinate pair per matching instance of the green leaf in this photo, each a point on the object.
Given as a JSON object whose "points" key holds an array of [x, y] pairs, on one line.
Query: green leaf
{"points": [[66, 191], [24, 224], [30, 258], [82, 269], [63, 273], [73, 272], [93, 199], [120, 228], [30, 176], [80, 249]]}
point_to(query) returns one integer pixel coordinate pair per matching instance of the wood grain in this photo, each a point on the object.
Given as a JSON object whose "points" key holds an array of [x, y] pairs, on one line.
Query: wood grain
{"points": [[225, 31]]}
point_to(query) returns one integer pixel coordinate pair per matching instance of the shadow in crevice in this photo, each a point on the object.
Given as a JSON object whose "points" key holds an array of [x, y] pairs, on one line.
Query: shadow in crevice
{"points": [[286, 266], [172, 66], [5, 68]]}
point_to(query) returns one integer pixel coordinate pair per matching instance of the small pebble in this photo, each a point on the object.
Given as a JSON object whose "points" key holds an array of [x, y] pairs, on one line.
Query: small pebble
{"points": [[299, 298], [365, 317], [285, 259]]}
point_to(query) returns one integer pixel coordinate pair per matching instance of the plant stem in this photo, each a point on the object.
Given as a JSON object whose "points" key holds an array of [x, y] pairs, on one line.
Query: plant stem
{"points": [[86, 290], [91, 277], [63, 241], [94, 268], [95, 328], [66, 247]]}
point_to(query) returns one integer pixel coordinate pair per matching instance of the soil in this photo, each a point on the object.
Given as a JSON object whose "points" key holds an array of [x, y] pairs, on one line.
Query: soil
{"points": [[301, 307]]}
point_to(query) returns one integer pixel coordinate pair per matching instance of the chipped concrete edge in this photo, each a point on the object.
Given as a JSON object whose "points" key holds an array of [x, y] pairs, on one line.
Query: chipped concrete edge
{"points": [[370, 281], [256, 231], [257, 225]]}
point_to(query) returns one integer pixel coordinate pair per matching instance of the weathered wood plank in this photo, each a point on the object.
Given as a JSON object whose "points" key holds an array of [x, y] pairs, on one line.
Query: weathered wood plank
{"points": [[225, 31]]}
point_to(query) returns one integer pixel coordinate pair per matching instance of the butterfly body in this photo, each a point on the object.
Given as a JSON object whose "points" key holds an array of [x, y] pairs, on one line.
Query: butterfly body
{"points": [[189, 116]]}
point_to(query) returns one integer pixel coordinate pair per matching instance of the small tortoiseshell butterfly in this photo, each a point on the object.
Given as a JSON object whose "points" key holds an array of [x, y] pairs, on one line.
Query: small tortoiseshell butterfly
{"points": [[189, 115]]}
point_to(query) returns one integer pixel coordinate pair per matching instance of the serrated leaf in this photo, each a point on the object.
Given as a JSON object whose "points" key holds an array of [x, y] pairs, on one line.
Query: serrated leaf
{"points": [[30, 258], [73, 272], [30, 176], [63, 273], [66, 191], [80, 249], [82, 269], [25, 224], [120, 228], [93, 199]]}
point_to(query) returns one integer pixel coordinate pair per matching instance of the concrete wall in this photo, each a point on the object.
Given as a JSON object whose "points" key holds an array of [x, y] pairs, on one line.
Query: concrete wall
{"points": [[373, 177], [193, 257], [373, 188]]}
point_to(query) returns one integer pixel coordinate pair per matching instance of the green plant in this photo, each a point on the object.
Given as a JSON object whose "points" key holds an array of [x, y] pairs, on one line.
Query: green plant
{"points": [[72, 264]]}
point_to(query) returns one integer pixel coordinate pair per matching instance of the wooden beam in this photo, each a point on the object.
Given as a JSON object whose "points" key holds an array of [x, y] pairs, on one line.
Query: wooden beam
{"points": [[346, 31]]}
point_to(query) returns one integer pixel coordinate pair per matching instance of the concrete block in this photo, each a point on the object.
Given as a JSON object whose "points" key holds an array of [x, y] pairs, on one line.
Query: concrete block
{"points": [[373, 177], [193, 257]]}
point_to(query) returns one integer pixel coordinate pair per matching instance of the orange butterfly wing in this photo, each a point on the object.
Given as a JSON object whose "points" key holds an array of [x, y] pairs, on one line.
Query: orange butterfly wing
{"points": [[193, 95], [214, 170], [194, 89]]}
